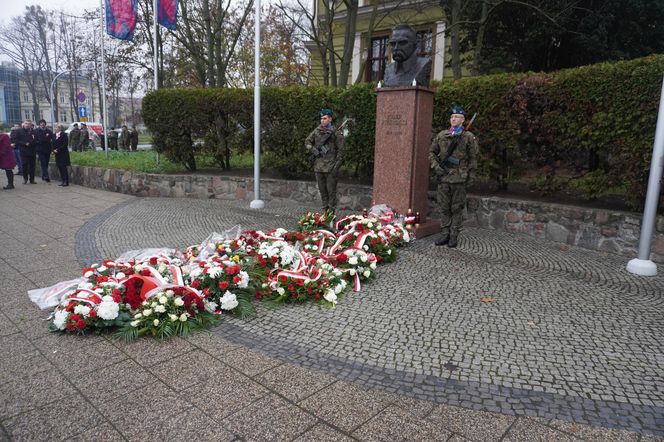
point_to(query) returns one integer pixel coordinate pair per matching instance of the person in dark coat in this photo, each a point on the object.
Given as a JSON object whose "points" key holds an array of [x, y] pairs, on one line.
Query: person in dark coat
{"points": [[25, 140], [17, 151], [7, 160], [61, 151], [43, 140]]}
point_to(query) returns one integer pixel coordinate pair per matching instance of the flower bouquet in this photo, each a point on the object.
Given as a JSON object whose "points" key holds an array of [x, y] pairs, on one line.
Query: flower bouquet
{"points": [[175, 311], [85, 310], [312, 221]]}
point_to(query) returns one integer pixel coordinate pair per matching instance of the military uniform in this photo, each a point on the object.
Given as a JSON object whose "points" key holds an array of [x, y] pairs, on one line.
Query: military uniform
{"points": [[113, 139], [124, 138], [326, 165], [133, 138], [74, 138], [453, 178], [84, 140]]}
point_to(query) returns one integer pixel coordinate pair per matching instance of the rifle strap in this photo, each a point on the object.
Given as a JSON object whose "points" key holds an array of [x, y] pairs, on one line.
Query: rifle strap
{"points": [[452, 147]]}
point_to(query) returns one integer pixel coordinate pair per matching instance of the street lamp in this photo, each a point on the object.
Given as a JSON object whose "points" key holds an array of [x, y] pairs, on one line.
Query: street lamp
{"points": [[50, 94]]}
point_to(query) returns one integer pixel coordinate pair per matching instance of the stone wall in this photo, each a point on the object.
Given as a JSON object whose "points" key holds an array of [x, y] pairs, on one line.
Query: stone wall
{"points": [[595, 229]]}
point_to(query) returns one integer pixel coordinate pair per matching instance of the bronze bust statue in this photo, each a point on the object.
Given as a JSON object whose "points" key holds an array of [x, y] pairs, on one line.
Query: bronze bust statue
{"points": [[407, 67]]}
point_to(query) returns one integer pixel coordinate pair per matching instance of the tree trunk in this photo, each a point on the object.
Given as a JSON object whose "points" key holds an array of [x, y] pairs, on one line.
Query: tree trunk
{"points": [[455, 40], [349, 41]]}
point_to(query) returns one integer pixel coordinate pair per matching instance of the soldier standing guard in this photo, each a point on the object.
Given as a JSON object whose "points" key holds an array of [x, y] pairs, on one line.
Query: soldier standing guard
{"points": [[84, 140], [113, 139], [124, 138], [453, 158], [133, 138], [326, 148], [74, 137]]}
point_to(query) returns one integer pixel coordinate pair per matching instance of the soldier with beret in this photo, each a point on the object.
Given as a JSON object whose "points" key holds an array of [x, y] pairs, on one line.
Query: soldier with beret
{"points": [[325, 146], [453, 157], [74, 137]]}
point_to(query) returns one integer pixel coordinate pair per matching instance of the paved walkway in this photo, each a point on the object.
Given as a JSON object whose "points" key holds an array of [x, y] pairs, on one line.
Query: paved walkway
{"points": [[570, 346]]}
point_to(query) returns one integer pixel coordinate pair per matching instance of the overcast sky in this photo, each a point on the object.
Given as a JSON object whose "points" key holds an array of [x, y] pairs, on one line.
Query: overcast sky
{"points": [[11, 8]]}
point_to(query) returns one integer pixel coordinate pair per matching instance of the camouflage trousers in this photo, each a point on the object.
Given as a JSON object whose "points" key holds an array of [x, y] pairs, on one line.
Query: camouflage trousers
{"points": [[452, 201], [327, 186]]}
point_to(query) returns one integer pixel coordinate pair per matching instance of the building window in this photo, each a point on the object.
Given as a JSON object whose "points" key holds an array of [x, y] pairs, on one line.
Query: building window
{"points": [[424, 43], [26, 115], [64, 117], [62, 98], [376, 59], [26, 96]]}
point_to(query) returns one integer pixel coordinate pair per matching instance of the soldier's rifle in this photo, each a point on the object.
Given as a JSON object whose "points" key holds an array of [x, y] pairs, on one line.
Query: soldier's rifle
{"points": [[321, 149]]}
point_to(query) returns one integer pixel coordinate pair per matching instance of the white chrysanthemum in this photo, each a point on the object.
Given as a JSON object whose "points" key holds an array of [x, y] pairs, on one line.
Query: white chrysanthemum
{"points": [[160, 309], [228, 301], [108, 309], [330, 296], [82, 310], [244, 280], [60, 318], [210, 306], [352, 260], [178, 301], [215, 272], [196, 272], [281, 291]]}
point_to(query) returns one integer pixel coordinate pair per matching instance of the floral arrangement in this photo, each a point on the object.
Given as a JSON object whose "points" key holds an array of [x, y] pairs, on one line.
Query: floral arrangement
{"points": [[163, 292]]}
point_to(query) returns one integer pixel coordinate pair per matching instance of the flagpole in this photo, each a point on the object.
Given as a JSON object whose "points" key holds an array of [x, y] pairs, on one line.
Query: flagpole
{"points": [[154, 55], [103, 79], [257, 203]]}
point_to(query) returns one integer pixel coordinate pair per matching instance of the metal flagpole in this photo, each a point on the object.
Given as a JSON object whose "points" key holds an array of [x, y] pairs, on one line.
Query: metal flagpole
{"points": [[643, 265], [103, 79], [154, 55], [257, 203]]}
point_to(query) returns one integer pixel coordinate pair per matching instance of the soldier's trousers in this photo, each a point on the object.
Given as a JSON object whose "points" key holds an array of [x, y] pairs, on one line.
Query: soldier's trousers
{"points": [[452, 201], [327, 186]]}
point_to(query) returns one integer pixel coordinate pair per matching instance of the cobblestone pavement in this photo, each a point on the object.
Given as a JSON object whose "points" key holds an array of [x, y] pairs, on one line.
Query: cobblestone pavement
{"points": [[566, 346]]}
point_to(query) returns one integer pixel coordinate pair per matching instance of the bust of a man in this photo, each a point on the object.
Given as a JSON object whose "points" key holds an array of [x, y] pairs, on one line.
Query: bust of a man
{"points": [[407, 66]]}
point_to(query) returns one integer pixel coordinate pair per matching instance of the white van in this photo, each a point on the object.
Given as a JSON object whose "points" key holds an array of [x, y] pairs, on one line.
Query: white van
{"points": [[96, 131]]}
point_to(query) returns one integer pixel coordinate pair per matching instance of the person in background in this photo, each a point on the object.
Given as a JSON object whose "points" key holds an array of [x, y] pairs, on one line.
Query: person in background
{"points": [[84, 141], [61, 151], [7, 160], [133, 138], [74, 137], [113, 139], [17, 151], [25, 140], [124, 138], [43, 140]]}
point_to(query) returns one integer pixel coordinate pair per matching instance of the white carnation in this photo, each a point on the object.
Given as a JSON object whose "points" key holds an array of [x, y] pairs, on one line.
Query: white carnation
{"points": [[163, 300], [172, 317], [147, 312], [82, 310], [352, 260], [102, 269], [228, 301], [367, 273], [183, 317], [60, 318], [155, 322], [135, 323], [88, 274], [244, 280], [120, 275], [108, 310], [372, 266], [160, 309], [330, 296], [196, 272], [178, 301], [215, 272]]}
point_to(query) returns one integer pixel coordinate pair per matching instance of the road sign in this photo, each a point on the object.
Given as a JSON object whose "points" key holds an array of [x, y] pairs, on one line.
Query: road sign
{"points": [[82, 111], [84, 119], [81, 96]]}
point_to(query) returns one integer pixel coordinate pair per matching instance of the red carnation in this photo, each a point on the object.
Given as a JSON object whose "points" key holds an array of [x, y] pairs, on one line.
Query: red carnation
{"points": [[379, 258], [299, 282], [291, 287], [195, 284], [93, 313], [237, 279], [74, 317], [145, 272], [117, 295], [69, 326], [258, 294], [223, 285], [372, 242], [274, 259], [282, 278], [317, 295], [70, 306], [80, 324], [310, 289], [341, 257], [153, 261]]}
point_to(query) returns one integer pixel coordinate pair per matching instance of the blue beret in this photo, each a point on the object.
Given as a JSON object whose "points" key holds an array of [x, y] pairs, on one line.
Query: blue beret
{"points": [[457, 110], [325, 111]]}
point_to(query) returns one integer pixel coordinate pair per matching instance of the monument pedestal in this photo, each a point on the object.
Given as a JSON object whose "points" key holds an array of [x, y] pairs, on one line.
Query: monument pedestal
{"points": [[401, 160]]}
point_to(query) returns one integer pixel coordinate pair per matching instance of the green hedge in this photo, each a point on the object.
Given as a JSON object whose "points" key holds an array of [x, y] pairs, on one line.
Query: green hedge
{"points": [[596, 123]]}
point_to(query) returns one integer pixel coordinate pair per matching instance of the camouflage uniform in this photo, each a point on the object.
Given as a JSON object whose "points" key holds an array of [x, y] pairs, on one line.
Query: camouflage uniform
{"points": [[113, 139], [74, 138], [124, 139], [84, 141], [452, 186], [326, 166]]}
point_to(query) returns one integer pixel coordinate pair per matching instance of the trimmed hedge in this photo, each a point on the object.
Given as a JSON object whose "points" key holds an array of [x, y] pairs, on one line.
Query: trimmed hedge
{"points": [[596, 123]]}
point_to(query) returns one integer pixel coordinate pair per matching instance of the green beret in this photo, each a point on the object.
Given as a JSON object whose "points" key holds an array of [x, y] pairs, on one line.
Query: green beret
{"points": [[325, 111], [457, 110]]}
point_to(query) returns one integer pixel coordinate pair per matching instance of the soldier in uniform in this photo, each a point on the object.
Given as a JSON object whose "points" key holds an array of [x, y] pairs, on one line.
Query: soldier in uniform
{"points": [[74, 137], [113, 139], [453, 158], [124, 138], [133, 138], [326, 147], [84, 141]]}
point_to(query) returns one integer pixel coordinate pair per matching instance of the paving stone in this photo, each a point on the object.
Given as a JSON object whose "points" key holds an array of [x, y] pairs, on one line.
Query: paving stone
{"points": [[323, 433], [475, 425], [225, 395], [395, 424], [188, 369], [526, 429]]}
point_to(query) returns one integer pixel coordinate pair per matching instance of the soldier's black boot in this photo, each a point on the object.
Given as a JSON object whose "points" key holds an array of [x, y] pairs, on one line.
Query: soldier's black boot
{"points": [[453, 242], [443, 239]]}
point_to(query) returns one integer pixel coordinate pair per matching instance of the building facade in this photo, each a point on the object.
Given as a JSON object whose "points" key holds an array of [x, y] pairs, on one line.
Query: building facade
{"points": [[374, 22], [10, 104]]}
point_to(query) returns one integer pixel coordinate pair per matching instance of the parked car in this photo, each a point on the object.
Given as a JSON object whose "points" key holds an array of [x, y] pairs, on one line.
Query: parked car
{"points": [[96, 131]]}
